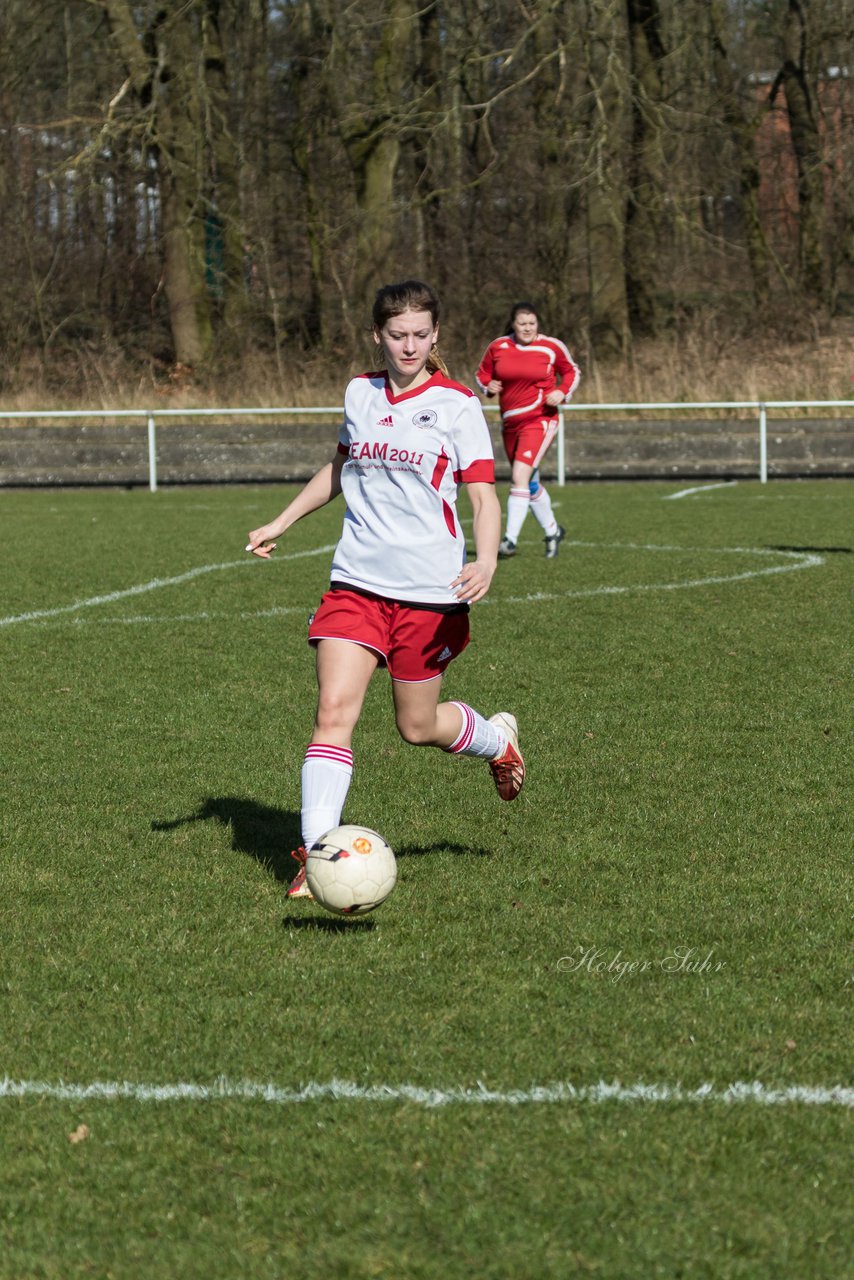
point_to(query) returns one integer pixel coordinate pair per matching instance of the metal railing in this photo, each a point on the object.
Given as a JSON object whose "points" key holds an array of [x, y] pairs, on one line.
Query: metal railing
{"points": [[760, 407], [150, 416]]}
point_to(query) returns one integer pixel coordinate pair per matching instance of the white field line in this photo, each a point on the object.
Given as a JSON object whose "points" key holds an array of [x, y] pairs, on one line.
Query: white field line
{"points": [[143, 587], [700, 488], [795, 560], [347, 1091], [136, 619]]}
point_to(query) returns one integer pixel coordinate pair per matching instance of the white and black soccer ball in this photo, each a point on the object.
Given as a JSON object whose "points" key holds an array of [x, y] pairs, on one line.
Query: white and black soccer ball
{"points": [[351, 870]]}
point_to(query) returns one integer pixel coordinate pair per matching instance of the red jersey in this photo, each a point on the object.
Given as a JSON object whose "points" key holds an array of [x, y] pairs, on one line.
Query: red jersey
{"points": [[527, 372]]}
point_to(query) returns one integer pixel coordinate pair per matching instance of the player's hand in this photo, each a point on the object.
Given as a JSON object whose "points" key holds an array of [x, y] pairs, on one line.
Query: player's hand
{"points": [[472, 582], [554, 398], [493, 388], [262, 542]]}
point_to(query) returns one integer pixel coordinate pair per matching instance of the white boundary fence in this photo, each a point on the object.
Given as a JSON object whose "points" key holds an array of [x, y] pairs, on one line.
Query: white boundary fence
{"points": [[760, 407], [150, 416]]}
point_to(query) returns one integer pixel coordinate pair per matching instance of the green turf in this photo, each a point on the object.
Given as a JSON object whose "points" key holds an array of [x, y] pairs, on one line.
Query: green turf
{"points": [[669, 901]]}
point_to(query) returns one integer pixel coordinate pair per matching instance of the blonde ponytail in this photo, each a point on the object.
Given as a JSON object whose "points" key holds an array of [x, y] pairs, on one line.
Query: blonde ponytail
{"points": [[435, 363]]}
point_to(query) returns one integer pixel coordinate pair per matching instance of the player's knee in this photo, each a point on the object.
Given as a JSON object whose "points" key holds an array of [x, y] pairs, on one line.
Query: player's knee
{"points": [[334, 712], [533, 488], [418, 733]]}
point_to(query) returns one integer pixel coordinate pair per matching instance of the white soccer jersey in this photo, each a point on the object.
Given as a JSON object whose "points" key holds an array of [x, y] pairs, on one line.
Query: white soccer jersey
{"points": [[406, 456]]}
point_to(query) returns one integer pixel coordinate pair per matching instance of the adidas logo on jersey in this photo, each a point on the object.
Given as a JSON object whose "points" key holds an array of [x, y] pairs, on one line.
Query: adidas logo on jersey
{"points": [[444, 655], [386, 422]]}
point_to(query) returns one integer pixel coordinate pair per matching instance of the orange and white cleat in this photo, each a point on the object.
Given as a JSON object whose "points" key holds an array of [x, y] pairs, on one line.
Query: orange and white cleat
{"points": [[508, 770], [298, 888]]}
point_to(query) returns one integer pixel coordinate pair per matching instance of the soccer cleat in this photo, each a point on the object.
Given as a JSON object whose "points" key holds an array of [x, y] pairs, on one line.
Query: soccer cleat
{"points": [[508, 770], [553, 541], [506, 549], [298, 888]]}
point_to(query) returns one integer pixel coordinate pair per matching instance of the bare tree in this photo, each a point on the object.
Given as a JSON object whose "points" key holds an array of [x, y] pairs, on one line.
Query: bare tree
{"points": [[174, 63], [646, 164], [159, 60], [555, 55], [197, 181], [741, 111], [798, 77], [608, 125], [371, 99]]}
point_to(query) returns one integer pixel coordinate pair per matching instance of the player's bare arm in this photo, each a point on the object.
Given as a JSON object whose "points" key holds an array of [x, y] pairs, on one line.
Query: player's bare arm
{"points": [[320, 489], [473, 581]]}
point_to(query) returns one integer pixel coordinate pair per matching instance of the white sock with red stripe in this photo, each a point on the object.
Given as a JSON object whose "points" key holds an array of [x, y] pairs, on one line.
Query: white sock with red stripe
{"points": [[541, 505], [478, 737], [326, 774], [517, 508]]}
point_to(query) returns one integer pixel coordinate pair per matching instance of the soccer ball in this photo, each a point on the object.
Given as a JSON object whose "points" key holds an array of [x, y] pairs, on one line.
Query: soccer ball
{"points": [[350, 870]]}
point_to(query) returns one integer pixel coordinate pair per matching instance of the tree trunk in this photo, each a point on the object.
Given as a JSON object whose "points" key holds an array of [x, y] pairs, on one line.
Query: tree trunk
{"points": [[556, 52], [190, 329], [742, 122], [372, 137], [162, 68], [606, 185], [226, 273], [179, 134], [646, 166], [806, 144], [310, 38]]}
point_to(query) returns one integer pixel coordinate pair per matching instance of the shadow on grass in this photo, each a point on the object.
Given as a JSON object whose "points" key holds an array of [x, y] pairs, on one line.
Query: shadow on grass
{"points": [[264, 833], [328, 924], [459, 850], [826, 551], [269, 835]]}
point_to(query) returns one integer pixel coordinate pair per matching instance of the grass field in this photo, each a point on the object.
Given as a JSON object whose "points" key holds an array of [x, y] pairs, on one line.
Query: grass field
{"points": [[605, 1030]]}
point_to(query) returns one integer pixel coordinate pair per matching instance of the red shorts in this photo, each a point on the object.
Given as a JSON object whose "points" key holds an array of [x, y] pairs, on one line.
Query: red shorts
{"points": [[528, 441], [415, 644]]}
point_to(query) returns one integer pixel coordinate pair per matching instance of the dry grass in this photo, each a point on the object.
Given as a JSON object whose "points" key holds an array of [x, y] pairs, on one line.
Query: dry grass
{"points": [[758, 367], [704, 363]]}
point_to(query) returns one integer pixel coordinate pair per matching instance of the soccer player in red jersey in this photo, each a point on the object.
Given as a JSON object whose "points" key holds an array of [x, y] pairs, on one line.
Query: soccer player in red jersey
{"points": [[401, 587], [531, 374]]}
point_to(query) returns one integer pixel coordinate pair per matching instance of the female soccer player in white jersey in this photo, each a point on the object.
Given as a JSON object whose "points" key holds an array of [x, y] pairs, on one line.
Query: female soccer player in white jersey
{"points": [[531, 374], [400, 584]]}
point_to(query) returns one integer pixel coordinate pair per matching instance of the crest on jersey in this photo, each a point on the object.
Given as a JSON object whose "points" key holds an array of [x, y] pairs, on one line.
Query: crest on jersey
{"points": [[426, 418]]}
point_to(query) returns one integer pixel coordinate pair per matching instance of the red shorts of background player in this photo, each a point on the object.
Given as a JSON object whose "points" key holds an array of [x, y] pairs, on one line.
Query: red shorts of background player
{"points": [[414, 643], [528, 441]]}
